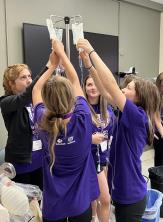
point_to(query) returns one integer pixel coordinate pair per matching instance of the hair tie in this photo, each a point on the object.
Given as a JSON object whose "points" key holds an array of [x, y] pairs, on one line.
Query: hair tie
{"points": [[67, 115], [58, 116]]}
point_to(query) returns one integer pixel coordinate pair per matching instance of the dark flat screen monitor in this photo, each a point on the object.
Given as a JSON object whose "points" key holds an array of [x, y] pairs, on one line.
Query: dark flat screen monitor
{"points": [[37, 47]]}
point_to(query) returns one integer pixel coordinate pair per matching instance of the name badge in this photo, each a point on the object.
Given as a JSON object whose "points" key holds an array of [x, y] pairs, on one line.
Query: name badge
{"points": [[37, 145], [104, 145]]}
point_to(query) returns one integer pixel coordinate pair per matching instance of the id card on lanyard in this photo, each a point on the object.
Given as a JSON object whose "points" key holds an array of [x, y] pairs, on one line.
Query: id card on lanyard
{"points": [[37, 145], [104, 145]]}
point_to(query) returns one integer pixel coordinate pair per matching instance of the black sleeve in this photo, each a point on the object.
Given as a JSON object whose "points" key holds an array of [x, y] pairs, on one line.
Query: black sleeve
{"points": [[13, 102]]}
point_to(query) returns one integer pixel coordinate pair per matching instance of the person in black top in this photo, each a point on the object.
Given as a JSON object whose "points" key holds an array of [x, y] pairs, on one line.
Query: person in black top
{"points": [[23, 147]]}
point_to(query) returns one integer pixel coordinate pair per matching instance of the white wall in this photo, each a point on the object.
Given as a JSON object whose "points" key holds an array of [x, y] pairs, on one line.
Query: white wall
{"points": [[3, 64], [139, 39]]}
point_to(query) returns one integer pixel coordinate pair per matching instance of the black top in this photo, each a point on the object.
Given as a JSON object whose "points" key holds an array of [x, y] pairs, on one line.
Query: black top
{"points": [[19, 142]]}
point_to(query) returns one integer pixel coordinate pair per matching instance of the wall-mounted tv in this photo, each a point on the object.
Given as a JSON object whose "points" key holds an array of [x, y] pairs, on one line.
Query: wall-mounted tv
{"points": [[37, 47]]}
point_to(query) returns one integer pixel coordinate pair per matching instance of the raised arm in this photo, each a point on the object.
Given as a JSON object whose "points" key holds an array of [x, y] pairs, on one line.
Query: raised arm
{"points": [[69, 69], [14, 102], [36, 92], [105, 75], [93, 72]]}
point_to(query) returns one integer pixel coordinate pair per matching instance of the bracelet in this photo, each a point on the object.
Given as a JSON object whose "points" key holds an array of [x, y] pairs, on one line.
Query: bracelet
{"points": [[89, 67], [91, 52]]}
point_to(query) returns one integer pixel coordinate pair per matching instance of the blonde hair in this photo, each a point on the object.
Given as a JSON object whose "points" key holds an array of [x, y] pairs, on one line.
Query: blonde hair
{"points": [[58, 97], [10, 75], [103, 106], [149, 99]]}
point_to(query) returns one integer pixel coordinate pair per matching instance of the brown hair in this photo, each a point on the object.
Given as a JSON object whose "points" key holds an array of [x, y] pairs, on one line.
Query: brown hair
{"points": [[159, 80], [103, 106], [58, 97], [127, 79], [10, 75], [149, 100]]}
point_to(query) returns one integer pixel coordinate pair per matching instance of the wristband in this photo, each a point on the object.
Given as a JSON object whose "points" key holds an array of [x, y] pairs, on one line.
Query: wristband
{"points": [[91, 52], [89, 67]]}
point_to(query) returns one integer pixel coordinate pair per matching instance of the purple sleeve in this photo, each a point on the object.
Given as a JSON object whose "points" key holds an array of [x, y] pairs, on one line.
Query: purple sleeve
{"points": [[38, 112], [133, 116], [81, 105]]}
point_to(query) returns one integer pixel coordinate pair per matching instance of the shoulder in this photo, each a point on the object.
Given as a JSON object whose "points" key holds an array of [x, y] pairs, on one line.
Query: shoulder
{"points": [[81, 114], [133, 114], [81, 105], [6, 101], [38, 107], [38, 110], [3, 98], [132, 107]]}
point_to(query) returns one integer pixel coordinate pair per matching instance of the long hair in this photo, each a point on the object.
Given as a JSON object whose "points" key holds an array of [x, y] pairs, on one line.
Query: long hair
{"points": [[103, 106], [58, 97], [10, 75], [127, 79], [159, 80], [149, 100]]}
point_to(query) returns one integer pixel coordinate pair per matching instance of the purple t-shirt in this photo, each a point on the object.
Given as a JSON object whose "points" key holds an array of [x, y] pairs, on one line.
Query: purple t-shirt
{"points": [[36, 161], [127, 184], [108, 131], [73, 184]]}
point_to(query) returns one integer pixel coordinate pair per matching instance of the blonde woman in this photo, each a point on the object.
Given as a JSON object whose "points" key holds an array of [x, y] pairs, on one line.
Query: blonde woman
{"points": [[102, 129], [70, 181]]}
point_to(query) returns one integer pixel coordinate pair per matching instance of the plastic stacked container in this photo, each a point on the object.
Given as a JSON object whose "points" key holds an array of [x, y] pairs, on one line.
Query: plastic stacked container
{"points": [[152, 211], [156, 179]]}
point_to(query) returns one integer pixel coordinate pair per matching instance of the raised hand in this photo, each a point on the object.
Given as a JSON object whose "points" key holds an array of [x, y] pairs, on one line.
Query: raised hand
{"points": [[97, 138], [58, 47], [86, 60], [84, 44], [53, 60]]}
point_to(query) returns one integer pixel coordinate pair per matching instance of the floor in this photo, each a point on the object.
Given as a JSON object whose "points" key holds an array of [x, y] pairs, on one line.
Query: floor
{"points": [[147, 162]]}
